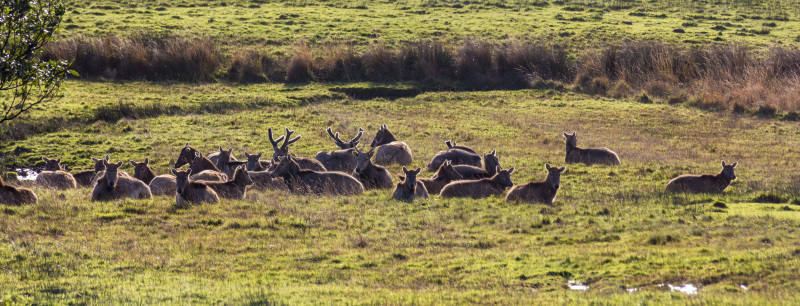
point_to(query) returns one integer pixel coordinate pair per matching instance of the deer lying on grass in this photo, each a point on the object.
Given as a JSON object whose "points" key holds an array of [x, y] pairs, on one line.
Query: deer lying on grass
{"points": [[85, 178], [164, 184], [190, 191], [451, 144], [370, 175], [704, 183], [456, 155], [55, 179], [255, 163], [490, 163], [409, 188], [225, 161], [283, 150], [445, 175], [601, 156], [343, 160], [236, 188], [205, 170], [11, 195], [482, 188], [263, 180], [318, 182], [390, 150], [538, 192], [114, 186], [187, 155]]}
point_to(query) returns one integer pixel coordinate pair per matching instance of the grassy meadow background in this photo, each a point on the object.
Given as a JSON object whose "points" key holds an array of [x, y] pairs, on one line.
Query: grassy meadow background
{"points": [[611, 228]]}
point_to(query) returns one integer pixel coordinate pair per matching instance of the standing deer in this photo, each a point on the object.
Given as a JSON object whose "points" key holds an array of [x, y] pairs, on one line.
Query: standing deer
{"points": [[602, 156], [11, 195], [283, 150], [482, 188], [114, 186], [236, 188], [55, 179], [164, 184], [490, 163], [458, 155], [538, 192], [704, 183], [445, 175], [390, 150], [370, 175], [190, 191], [309, 181], [343, 160], [409, 188]]}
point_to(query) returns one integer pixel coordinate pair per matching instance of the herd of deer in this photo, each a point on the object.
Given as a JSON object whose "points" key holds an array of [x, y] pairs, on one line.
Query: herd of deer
{"points": [[459, 172]]}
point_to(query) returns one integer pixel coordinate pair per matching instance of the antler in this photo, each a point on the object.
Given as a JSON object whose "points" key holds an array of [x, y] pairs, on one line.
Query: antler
{"points": [[335, 137], [287, 141], [354, 141], [272, 140]]}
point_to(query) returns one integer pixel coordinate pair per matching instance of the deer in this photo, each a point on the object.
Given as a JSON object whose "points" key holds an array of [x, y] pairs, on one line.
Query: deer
{"points": [[225, 161], [458, 155], [705, 183], [390, 150], [409, 188], [370, 175], [114, 186], [538, 192], [190, 191], [164, 184], [445, 175], [481, 188], [283, 150], [255, 163], [490, 163], [236, 188], [451, 144], [85, 178], [187, 155], [601, 156], [300, 180], [343, 160], [205, 170], [11, 195], [55, 179]]}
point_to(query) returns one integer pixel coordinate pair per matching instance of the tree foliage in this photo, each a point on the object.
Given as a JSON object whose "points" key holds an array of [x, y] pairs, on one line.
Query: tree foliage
{"points": [[25, 79]]}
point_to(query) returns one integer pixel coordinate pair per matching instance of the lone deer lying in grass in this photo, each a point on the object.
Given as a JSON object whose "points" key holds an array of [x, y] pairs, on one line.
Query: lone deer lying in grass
{"points": [[11, 195], [190, 191], [445, 175], [255, 163], [308, 181], [236, 188], [538, 192], [390, 150], [704, 183], [370, 175], [55, 179], [114, 186], [164, 184], [409, 188], [85, 178], [482, 188], [456, 155], [283, 150], [205, 170], [490, 163], [601, 156], [343, 160]]}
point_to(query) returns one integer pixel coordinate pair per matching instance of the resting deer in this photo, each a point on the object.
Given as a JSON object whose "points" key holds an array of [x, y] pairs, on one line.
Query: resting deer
{"points": [[187, 155], [190, 191], [55, 179], [482, 188], [409, 188], [538, 192], [225, 161], [490, 163], [601, 156], [11, 195], [445, 175], [704, 183], [343, 160], [370, 175], [236, 188], [390, 150], [114, 186], [457, 156], [451, 144], [309, 181], [205, 170], [255, 163], [283, 150], [164, 184], [85, 178]]}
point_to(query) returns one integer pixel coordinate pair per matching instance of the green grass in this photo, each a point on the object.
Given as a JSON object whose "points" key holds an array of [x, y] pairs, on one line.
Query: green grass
{"points": [[611, 228]]}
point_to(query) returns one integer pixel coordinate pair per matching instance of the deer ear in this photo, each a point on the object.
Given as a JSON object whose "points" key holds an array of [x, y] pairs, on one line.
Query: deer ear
{"points": [[405, 170], [402, 178], [547, 166], [58, 161], [105, 162], [95, 159], [511, 170], [562, 169], [187, 144], [119, 164], [45, 159], [734, 164], [174, 171], [565, 134], [133, 163], [574, 134], [723, 163], [418, 170], [108, 158], [146, 160], [259, 155], [230, 151], [494, 152], [246, 154], [498, 168], [220, 148]]}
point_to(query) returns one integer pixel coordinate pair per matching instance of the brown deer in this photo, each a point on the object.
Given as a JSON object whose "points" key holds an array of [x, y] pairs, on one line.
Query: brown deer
{"points": [[482, 188], [84, 178], [164, 184], [114, 186], [100, 169], [370, 175], [409, 188], [451, 144], [55, 179], [236, 188], [142, 171], [190, 191], [309, 181], [283, 150], [457, 156], [445, 175], [390, 150], [11, 195], [255, 163], [704, 183], [538, 192], [205, 170], [602, 156], [187, 155], [224, 161], [490, 163], [263, 180], [343, 160]]}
